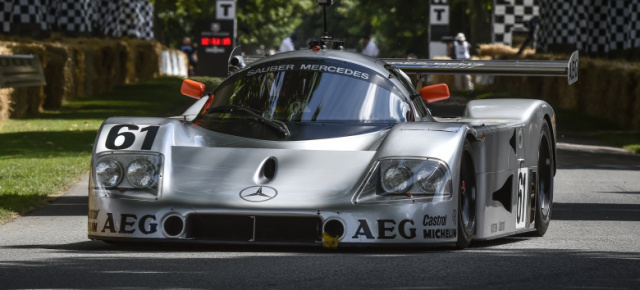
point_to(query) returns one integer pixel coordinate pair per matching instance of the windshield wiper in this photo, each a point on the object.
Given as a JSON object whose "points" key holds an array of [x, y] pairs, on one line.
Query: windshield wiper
{"points": [[279, 126]]}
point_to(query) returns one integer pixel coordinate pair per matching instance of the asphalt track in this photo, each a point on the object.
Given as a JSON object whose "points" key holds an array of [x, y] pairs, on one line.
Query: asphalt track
{"points": [[593, 242]]}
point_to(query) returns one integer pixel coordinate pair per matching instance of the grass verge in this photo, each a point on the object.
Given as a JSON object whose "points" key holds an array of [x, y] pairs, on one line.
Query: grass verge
{"points": [[42, 156]]}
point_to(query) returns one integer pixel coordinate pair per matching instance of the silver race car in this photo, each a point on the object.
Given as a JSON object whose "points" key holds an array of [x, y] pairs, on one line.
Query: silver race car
{"points": [[328, 147]]}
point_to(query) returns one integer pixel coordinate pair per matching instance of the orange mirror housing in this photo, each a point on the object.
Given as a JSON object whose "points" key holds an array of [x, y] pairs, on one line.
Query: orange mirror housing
{"points": [[434, 93], [192, 89]]}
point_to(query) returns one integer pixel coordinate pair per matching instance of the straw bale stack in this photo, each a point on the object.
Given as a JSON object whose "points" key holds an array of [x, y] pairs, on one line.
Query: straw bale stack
{"points": [[77, 68], [495, 49], [25, 101], [5, 94], [608, 90], [58, 73], [145, 59]]}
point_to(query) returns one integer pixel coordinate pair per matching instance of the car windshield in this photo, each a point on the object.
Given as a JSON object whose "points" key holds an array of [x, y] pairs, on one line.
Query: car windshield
{"points": [[312, 91]]}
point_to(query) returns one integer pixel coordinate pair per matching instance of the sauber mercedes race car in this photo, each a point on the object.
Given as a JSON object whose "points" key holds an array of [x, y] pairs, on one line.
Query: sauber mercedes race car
{"points": [[330, 148]]}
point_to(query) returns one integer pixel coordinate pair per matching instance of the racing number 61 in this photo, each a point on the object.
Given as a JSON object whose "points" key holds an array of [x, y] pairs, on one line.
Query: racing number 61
{"points": [[130, 137]]}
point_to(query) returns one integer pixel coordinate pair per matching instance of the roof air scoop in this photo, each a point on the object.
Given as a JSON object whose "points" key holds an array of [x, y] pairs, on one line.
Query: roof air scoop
{"points": [[236, 63]]}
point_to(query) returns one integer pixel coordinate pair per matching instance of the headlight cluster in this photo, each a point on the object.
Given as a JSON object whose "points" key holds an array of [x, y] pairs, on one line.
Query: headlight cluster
{"points": [[140, 176], [406, 179]]}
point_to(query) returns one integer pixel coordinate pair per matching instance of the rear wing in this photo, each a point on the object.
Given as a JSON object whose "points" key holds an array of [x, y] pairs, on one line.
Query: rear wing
{"points": [[559, 68], [20, 71]]}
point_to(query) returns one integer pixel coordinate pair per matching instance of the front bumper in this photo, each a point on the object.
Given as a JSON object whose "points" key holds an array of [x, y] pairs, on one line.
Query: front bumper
{"points": [[416, 223]]}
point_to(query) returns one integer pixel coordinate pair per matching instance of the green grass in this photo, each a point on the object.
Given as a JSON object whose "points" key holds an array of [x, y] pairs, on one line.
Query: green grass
{"points": [[630, 141], [41, 157]]}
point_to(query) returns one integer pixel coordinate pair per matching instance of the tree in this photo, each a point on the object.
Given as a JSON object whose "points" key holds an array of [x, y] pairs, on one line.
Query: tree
{"points": [[399, 27], [259, 21]]}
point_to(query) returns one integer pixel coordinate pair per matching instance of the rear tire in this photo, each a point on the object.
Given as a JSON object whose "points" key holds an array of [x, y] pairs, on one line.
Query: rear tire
{"points": [[466, 198], [544, 186]]}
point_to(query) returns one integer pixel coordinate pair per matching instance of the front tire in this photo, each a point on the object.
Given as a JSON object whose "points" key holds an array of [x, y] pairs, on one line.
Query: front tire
{"points": [[544, 186], [466, 198]]}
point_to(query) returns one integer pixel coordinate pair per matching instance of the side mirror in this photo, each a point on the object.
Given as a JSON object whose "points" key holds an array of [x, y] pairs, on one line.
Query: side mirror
{"points": [[434, 93], [192, 89]]}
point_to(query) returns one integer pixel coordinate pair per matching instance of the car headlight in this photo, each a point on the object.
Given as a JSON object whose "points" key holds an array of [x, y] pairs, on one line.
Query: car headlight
{"points": [[141, 174], [140, 178], [430, 177], [395, 180], [109, 172]]}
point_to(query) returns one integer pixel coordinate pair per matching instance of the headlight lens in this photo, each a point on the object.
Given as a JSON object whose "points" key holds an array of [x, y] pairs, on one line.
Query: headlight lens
{"points": [[141, 174], [141, 178], [396, 179], [429, 178], [109, 173], [406, 180]]}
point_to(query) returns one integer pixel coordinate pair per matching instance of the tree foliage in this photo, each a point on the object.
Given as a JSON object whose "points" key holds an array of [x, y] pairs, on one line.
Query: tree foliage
{"points": [[259, 21], [399, 27]]}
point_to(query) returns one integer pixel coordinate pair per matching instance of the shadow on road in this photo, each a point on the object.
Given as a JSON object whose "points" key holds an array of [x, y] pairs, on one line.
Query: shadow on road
{"points": [[575, 156], [282, 270], [595, 212]]}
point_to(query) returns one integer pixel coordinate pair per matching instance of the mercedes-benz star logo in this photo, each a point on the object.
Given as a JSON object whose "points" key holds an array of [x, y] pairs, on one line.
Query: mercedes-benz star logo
{"points": [[258, 193]]}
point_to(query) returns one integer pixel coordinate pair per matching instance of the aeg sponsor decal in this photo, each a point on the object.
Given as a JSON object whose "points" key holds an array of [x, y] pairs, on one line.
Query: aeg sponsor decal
{"points": [[387, 229], [405, 229], [129, 223]]}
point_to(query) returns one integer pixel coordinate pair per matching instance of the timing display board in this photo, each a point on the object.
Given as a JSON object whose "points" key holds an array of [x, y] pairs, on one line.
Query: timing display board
{"points": [[216, 40]]}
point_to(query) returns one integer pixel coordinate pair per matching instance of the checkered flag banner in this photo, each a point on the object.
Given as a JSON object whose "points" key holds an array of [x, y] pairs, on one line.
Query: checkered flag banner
{"points": [[132, 18], [70, 15], [509, 16], [593, 26], [30, 12], [6, 9], [136, 19]]}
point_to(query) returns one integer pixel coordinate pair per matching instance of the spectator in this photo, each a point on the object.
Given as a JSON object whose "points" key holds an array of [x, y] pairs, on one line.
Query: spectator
{"points": [[531, 36], [461, 51], [370, 47], [288, 44], [190, 52]]}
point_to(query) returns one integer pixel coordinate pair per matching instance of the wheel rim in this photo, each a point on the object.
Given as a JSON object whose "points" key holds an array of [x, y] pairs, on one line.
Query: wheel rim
{"points": [[467, 194], [546, 177]]}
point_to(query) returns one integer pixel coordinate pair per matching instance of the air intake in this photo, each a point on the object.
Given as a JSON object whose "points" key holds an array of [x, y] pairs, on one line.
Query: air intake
{"points": [[267, 171]]}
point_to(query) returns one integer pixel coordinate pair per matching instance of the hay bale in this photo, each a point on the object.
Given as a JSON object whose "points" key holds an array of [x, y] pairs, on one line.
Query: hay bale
{"points": [[496, 49], [634, 121], [5, 94], [28, 100], [77, 67], [144, 59], [5, 98], [57, 71]]}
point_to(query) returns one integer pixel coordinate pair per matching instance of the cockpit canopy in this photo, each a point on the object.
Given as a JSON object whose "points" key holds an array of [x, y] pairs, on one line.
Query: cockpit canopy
{"points": [[313, 90]]}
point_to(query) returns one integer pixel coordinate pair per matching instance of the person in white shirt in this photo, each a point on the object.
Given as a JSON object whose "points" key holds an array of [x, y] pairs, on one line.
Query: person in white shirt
{"points": [[370, 47], [461, 51], [288, 43]]}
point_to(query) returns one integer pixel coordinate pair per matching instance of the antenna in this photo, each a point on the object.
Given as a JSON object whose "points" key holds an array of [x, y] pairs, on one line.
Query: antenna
{"points": [[326, 41], [324, 4]]}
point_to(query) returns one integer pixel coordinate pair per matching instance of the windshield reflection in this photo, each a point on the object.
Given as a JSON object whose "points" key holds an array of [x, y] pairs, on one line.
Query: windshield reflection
{"points": [[291, 95]]}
